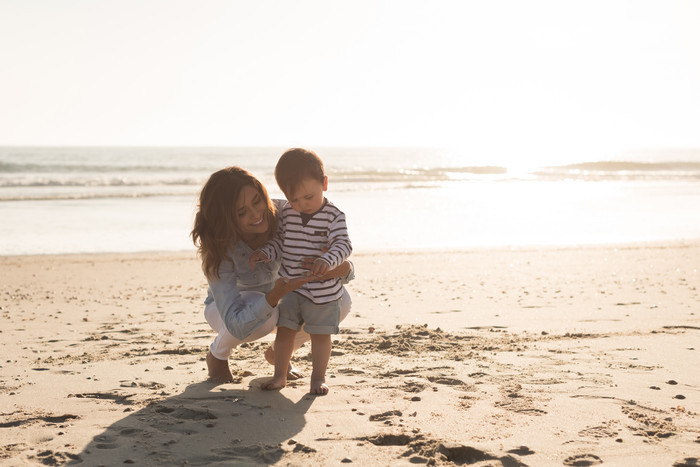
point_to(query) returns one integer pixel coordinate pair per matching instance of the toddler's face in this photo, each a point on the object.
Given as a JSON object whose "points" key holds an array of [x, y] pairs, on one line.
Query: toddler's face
{"points": [[307, 198]]}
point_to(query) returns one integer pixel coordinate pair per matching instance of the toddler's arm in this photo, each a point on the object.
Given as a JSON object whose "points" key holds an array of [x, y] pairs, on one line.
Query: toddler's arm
{"points": [[339, 247]]}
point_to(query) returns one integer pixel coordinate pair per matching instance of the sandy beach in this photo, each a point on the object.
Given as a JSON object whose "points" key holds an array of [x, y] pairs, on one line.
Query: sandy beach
{"points": [[534, 356]]}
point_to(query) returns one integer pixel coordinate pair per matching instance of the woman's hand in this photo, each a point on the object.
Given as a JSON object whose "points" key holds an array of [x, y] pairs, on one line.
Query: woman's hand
{"points": [[320, 270], [340, 271], [287, 285], [283, 286]]}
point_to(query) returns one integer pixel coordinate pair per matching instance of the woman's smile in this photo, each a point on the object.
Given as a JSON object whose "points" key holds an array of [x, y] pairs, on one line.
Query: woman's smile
{"points": [[251, 210]]}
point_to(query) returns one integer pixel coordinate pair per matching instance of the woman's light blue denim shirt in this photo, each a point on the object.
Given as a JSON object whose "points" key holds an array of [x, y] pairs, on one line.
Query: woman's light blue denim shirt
{"points": [[235, 276]]}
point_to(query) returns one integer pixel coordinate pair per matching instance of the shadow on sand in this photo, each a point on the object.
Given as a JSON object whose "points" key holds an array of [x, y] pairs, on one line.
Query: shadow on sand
{"points": [[205, 425]]}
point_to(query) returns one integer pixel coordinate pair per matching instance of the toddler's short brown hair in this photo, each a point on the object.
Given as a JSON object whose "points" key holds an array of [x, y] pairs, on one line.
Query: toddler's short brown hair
{"points": [[295, 166]]}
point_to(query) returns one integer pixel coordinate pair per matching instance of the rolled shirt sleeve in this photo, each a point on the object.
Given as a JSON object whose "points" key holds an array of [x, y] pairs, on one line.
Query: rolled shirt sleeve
{"points": [[350, 275]]}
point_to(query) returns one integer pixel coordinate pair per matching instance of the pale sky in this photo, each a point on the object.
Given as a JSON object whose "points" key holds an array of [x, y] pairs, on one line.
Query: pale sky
{"points": [[525, 77]]}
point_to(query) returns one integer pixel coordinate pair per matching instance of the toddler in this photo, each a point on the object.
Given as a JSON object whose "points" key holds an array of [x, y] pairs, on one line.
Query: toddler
{"points": [[310, 226]]}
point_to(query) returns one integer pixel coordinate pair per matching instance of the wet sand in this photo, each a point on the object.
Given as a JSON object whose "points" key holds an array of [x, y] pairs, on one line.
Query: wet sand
{"points": [[546, 356]]}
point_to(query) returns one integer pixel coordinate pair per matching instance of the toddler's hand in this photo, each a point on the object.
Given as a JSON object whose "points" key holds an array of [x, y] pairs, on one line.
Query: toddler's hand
{"points": [[320, 268], [256, 257]]}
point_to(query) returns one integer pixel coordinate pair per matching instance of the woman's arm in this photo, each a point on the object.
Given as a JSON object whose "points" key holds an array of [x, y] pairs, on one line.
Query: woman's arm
{"points": [[342, 271], [283, 285], [240, 317]]}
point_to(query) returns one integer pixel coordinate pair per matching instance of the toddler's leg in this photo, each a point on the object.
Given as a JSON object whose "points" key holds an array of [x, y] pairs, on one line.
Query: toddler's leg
{"points": [[302, 337], [292, 373], [320, 354], [284, 343]]}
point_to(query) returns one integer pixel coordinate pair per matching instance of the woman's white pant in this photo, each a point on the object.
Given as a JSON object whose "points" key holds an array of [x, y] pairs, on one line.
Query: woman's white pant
{"points": [[224, 343]]}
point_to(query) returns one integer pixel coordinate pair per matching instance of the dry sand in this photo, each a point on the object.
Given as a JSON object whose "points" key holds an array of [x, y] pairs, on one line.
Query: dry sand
{"points": [[552, 356]]}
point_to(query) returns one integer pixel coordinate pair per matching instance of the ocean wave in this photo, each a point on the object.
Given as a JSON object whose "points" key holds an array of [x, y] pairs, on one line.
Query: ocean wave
{"points": [[38, 182], [92, 195], [415, 174], [153, 180], [622, 170], [625, 166], [82, 179], [44, 167]]}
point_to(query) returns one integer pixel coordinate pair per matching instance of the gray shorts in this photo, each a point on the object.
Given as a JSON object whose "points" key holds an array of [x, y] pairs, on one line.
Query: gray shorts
{"points": [[296, 310]]}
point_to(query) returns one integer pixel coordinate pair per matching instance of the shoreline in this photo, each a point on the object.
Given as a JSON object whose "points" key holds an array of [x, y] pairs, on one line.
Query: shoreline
{"points": [[559, 355], [672, 243]]}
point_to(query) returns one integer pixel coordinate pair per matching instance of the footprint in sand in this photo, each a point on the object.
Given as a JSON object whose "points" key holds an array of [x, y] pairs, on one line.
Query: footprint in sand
{"points": [[131, 432], [523, 406], [42, 418], [413, 386], [582, 460], [461, 454], [399, 372], [648, 423], [687, 462], [113, 396], [350, 371], [183, 413], [11, 450], [458, 454], [56, 458], [106, 442], [245, 455], [522, 451], [148, 385], [598, 432], [445, 380], [391, 439], [380, 417]]}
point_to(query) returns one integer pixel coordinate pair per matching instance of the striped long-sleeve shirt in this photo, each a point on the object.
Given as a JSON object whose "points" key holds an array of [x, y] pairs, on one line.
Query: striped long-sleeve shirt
{"points": [[302, 236]]}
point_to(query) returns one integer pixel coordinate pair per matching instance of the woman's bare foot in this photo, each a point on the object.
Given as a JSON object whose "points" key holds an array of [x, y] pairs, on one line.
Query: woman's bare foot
{"points": [[292, 373], [318, 386], [219, 371], [274, 383]]}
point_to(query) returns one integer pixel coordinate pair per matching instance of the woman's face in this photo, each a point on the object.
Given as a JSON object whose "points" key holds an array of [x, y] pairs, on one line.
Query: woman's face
{"points": [[251, 211]]}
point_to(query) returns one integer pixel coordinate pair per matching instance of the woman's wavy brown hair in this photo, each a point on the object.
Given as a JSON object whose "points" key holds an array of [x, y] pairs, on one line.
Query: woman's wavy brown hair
{"points": [[215, 223]]}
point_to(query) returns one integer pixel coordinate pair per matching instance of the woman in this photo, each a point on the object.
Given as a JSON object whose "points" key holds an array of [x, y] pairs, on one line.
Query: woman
{"points": [[235, 217]]}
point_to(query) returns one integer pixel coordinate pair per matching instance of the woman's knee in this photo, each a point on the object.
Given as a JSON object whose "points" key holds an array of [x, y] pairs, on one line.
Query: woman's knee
{"points": [[264, 329], [345, 305], [211, 315]]}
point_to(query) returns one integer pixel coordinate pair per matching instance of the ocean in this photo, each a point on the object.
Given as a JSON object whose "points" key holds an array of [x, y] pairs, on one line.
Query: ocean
{"points": [[121, 199]]}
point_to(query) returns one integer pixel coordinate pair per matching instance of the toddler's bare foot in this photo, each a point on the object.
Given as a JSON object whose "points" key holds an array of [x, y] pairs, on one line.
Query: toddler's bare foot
{"points": [[219, 371], [292, 373], [274, 383], [318, 386]]}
